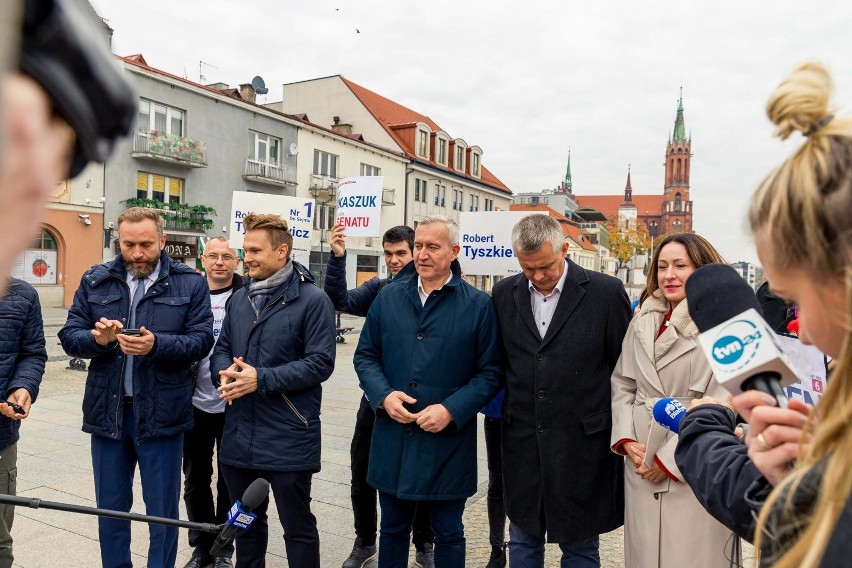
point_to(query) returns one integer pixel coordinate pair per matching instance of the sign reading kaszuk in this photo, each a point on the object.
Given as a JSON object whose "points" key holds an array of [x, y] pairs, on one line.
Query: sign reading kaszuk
{"points": [[359, 205], [485, 242], [297, 211]]}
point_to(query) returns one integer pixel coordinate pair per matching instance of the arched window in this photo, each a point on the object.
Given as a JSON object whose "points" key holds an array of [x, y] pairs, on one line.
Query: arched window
{"points": [[678, 176], [678, 203], [38, 264], [677, 226]]}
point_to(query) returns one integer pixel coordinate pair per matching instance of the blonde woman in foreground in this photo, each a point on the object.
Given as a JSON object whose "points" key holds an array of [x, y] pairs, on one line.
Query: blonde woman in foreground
{"points": [[798, 470]]}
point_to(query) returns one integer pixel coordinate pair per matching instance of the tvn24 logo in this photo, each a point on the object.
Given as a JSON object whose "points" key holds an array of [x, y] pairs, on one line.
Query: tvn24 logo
{"points": [[737, 344]]}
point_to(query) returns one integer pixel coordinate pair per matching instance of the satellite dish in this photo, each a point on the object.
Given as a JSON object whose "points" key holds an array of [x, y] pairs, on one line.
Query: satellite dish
{"points": [[258, 85], [293, 149]]}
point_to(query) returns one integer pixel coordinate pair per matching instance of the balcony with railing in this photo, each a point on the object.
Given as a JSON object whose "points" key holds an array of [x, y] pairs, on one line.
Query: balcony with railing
{"points": [[323, 182], [270, 173], [170, 148], [179, 216]]}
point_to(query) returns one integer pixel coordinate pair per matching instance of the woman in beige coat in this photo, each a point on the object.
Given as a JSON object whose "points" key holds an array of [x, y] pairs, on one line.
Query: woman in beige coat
{"points": [[664, 525]]}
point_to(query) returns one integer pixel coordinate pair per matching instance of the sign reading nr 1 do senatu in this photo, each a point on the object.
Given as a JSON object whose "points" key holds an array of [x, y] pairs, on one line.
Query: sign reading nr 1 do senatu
{"points": [[297, 211], [359, 205]]}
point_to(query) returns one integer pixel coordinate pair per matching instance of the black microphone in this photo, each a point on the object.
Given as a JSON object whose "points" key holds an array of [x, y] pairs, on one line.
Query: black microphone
{"points": [[240, 515], [741, 347]]}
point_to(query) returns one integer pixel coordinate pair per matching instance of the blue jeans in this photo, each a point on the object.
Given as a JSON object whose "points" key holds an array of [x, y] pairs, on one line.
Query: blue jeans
{"points": [[527, 551], [114, 463], [397, 518]]}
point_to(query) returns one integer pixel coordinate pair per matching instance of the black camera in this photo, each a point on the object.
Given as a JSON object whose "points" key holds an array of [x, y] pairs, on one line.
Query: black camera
{"points": [[63, 50]]}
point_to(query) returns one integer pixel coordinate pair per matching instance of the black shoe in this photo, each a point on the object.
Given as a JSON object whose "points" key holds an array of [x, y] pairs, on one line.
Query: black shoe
{"points": [[497, 558], [199, 559], [223, 561], [361, 556], [425, 558]]}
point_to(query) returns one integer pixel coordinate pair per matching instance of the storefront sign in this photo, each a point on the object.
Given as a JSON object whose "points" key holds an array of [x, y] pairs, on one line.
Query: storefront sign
{"points": [[177, 249]]}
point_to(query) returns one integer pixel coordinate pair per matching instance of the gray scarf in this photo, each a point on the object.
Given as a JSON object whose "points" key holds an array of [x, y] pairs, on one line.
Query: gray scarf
{"points": [[260, 291]]}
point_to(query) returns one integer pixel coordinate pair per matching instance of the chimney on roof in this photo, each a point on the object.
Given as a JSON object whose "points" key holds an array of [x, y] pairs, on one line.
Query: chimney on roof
{"points": [[247, 93], [342, 129]]}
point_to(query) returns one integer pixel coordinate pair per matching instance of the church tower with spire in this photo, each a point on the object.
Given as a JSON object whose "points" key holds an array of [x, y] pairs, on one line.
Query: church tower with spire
{"points": [[627, 211], [566, 186], [677, 206], [568, 183]]}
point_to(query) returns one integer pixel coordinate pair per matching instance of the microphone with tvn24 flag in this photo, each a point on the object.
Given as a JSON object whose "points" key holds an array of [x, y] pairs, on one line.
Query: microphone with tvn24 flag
{"points": [[240, 515], [742, 349]]}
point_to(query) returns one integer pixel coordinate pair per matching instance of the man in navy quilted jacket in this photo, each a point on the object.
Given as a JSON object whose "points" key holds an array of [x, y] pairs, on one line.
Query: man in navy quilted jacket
{"points": [[22, 359], [142, 319]]}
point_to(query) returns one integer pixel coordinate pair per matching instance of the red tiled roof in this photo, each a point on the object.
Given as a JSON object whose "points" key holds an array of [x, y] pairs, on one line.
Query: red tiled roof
{"points": [[392, 115], [609, 204], [569, 227]]}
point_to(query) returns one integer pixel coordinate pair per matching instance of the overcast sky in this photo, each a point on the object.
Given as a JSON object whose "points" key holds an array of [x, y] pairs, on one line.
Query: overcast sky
{"points": [[527, 80]]}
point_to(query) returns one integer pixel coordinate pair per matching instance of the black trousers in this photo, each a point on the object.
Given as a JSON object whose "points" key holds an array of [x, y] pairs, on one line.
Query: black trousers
{"points": [[496, 508], [198, 463], [292, 491], [364, 497]]}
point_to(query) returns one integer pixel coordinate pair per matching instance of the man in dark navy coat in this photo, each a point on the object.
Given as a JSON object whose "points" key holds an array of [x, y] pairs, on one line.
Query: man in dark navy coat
{"points": [[562, 328], [398, 246], [428, 360]]}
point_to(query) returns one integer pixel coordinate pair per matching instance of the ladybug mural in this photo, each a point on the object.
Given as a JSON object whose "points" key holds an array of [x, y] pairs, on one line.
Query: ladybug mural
{"points": [[40, 268]]}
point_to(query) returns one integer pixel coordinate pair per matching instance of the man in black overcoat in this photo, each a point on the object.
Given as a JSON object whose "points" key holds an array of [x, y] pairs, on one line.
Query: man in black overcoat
{"points": [[562, 328]]}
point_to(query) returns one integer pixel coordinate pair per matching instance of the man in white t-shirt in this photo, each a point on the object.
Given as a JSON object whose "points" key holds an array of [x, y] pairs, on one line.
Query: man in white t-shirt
{"points": [[219, 262]]}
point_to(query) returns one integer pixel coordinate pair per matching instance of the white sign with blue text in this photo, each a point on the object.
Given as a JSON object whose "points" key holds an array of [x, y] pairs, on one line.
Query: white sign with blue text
{"points": [[359, 206], [485, 242], [297, 211]]}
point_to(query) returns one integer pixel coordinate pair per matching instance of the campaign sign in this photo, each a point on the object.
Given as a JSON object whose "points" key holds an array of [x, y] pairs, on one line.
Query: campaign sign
{"points": [[810, 364], [297, 211], [359, 205], [485, 242]]}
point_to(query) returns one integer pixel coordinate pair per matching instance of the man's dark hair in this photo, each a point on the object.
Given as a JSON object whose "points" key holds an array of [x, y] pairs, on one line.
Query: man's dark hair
{"points": [[399, 234]]}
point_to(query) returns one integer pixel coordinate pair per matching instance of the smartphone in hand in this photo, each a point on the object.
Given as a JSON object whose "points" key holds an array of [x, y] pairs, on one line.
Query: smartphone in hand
{"points": [[134, 332], [16, 407]]}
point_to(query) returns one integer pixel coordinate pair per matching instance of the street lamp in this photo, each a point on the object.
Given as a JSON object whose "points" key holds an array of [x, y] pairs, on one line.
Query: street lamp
{"points": [[652, 229], [316, 191]]}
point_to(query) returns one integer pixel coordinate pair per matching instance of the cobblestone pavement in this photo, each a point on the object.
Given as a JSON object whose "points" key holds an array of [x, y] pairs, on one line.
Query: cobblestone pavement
{"points": [[54, 464]]}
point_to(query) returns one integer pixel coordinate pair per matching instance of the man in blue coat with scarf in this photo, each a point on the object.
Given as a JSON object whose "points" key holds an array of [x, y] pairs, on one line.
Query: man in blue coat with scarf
{"points": [[428, 360], [274, 352]]}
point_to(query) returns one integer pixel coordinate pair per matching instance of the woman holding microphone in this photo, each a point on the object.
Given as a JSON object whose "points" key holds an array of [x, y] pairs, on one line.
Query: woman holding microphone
{"points": [[801, 216]]}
